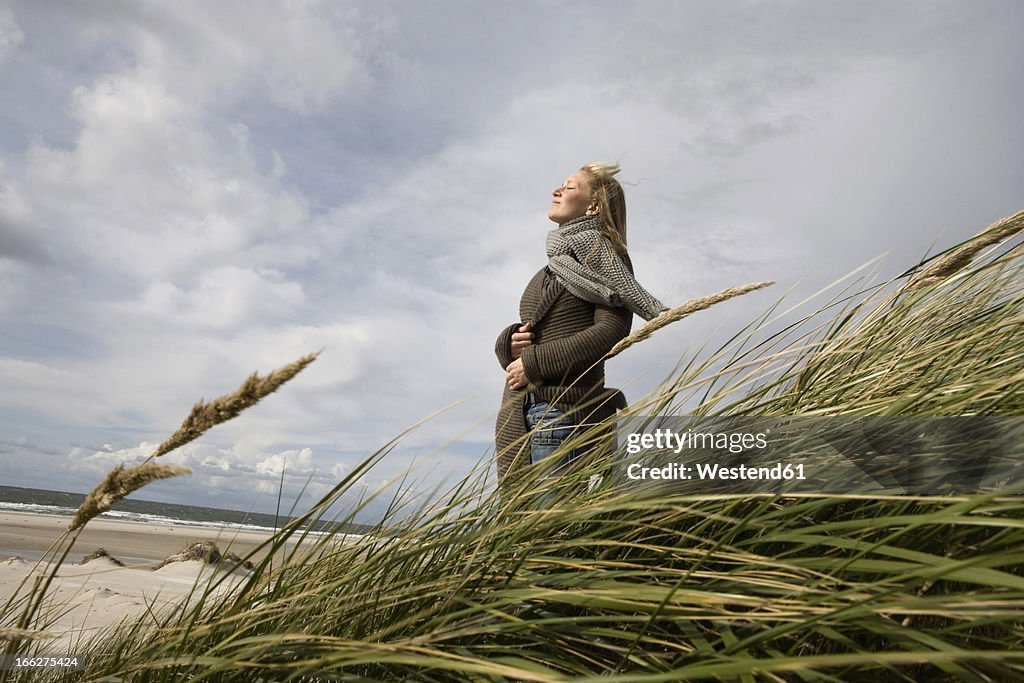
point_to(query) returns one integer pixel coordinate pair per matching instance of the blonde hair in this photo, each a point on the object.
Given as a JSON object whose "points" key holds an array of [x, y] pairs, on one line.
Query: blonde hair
{"points": [[607, 193]]}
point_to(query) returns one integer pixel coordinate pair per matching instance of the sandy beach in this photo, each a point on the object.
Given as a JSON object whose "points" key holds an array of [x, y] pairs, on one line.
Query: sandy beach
{"points": [[28, 536], [88, 598]]}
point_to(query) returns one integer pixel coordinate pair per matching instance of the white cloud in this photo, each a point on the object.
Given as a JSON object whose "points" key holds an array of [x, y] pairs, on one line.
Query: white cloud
{"points": [[20, 238], [234, 476], [224, 297], [10, 34], [147, 196], [298, 55], [160, 178], [294, 462], [50, 389]]}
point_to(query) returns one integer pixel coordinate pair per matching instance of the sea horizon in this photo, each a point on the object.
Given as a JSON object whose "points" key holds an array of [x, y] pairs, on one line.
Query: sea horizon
{"points": [[64, 504]]}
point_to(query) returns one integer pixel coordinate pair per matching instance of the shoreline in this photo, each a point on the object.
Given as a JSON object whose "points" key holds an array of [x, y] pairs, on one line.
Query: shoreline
{"points": [[87, 599], [28, 536]]}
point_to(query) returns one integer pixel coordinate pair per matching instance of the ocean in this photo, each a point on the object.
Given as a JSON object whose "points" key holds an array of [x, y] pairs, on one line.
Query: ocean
{"points": [[61, 503]]}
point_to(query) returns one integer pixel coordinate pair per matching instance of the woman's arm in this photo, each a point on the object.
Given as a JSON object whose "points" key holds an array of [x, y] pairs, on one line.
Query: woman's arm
{"points": [[571, 356], [510, 345], [503, 346]]}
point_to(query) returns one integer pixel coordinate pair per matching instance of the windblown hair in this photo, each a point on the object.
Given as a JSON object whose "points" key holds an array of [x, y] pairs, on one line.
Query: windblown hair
{"points": [[611, 201]]}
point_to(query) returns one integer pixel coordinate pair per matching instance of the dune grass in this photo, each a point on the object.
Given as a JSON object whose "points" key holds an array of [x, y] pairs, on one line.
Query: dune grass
{"points": [[21, 618], [550, 579]]}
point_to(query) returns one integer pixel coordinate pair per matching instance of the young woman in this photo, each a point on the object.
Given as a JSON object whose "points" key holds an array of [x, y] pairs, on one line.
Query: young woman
{"points": [[572, 312]]}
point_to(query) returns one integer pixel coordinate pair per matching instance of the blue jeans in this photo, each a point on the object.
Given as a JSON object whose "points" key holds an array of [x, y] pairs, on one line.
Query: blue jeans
{"points": [[549, 427]]}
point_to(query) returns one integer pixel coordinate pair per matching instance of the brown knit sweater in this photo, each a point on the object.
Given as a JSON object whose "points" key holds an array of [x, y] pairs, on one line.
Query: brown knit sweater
{"points": [[569, 336]]}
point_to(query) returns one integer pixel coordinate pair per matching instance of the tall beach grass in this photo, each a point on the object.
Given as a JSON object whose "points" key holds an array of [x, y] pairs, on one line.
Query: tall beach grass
{"points": [[556, 579]]}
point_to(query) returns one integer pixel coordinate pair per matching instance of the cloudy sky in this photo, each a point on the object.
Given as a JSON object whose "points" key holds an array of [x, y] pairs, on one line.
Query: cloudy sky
{"points": [[193, 191]]}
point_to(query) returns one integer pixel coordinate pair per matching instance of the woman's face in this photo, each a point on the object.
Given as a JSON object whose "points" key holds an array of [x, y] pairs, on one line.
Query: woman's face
{"points": [[572, 199]]}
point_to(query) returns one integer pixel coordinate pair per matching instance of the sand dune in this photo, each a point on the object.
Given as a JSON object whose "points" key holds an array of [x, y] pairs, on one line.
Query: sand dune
{"points": [[85, 599]]}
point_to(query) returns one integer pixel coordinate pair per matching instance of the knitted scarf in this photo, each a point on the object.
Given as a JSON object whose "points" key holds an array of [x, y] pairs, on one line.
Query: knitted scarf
{"points": [[586, 264]]}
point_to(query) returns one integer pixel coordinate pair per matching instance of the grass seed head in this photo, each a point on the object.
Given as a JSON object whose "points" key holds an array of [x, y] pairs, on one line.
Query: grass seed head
{"points": [[119, 483], [207, 415], [681, 311], [962, 255]]}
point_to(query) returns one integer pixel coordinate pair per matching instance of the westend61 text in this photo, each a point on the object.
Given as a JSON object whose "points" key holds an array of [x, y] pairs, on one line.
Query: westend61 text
{"points": [[680, 472], [668, 439]]}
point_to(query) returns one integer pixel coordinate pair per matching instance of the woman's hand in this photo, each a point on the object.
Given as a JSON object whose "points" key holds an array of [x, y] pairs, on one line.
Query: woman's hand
{"points": [[521, 339], [515, 375]]}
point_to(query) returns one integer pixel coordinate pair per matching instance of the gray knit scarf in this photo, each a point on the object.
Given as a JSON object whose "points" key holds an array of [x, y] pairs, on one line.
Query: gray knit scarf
{"points": [[586, 264]]}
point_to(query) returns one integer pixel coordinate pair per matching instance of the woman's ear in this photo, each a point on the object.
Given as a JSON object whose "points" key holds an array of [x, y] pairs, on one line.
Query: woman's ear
{"points": [[593, 209]]}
